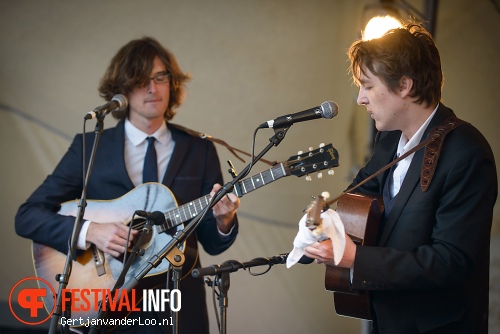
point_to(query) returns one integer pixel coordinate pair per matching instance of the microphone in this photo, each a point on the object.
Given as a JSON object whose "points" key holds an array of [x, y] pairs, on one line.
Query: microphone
{"points": [[328, 109], [232, 266], [157, 217], [118, 102]]}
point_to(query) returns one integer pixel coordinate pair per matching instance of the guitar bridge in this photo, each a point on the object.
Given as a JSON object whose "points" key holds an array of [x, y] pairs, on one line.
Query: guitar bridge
{"points": [[98, 261]]}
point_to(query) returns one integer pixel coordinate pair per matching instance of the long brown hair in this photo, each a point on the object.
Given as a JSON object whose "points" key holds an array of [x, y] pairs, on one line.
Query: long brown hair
{"points": [[131, 68]]}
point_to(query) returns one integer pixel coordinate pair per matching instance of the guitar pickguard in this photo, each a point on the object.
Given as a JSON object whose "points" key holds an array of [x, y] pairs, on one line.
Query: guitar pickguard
{"points": [[50, 262], [152, 197]]}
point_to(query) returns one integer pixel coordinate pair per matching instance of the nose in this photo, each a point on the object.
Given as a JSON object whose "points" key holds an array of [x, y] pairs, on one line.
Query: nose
{"points": [[361, 98], [151, 86]]}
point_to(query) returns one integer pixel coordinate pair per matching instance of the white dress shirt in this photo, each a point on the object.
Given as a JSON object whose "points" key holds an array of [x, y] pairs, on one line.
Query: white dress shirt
{"points": [[404, 146], [135, 151], [136, 146]]}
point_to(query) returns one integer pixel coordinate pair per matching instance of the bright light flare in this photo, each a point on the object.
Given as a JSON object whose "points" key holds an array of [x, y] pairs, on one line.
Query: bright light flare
{"points": [[379, 25]]}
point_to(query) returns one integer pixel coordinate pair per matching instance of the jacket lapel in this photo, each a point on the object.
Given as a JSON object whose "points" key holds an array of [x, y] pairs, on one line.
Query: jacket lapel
{"points": [[411, 182], [117, 154], [408, 186], [181, 147]]}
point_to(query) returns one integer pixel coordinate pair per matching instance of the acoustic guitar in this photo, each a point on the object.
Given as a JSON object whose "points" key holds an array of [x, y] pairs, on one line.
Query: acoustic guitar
{"points": [[94, 270], [361, 216]]}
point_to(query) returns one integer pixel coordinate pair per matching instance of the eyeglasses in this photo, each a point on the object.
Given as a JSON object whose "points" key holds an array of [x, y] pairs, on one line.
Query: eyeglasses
{"points": [[161, 78]]}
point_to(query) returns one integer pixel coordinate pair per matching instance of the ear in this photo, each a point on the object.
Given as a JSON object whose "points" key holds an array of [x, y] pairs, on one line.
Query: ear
{"points": [[405, 86]]}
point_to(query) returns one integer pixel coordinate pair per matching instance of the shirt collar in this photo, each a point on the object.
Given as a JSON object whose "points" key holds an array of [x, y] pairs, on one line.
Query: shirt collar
{"points": [[137, 136], [405, 144]]}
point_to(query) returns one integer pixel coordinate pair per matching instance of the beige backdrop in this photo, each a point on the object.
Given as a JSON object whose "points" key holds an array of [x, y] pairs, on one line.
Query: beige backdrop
{"points": [[250, 61]]}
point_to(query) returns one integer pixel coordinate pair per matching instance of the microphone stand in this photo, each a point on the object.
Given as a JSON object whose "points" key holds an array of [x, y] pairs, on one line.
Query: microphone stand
{"points": [[223, 279], [182, 235], [134, 252], [63, 278]]}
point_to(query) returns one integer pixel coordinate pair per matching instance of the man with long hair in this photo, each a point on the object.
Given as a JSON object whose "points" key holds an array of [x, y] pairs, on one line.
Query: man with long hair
{"points": [[148, 75]]}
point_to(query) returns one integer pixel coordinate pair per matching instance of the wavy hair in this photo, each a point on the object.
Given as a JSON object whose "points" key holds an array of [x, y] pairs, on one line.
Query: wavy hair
{"points": [[409, 51], [131, 68]]}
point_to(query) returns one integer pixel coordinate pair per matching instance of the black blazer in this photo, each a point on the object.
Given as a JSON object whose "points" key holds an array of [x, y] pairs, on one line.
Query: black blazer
{"points": [[193, 169], [430, 271]]}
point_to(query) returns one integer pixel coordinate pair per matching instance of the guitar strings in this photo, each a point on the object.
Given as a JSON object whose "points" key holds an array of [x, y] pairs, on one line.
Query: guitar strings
{"points": [[140, 225]]}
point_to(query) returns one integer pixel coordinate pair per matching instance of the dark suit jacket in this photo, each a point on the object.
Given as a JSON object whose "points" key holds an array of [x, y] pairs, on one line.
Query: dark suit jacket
{"points": [[430, 271], [193, 169]]}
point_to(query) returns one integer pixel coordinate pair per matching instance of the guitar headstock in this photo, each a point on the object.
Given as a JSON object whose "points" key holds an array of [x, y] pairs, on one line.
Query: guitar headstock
{"points": [[313, 212], [324, 157]]}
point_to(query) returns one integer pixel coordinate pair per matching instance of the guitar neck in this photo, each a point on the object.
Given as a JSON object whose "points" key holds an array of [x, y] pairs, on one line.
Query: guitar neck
{"points": [[255, 182], [192, 209]]}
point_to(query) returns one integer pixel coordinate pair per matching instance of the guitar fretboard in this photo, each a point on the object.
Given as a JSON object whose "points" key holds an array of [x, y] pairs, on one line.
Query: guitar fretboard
{"points": [[192, 209], [247, 185]]}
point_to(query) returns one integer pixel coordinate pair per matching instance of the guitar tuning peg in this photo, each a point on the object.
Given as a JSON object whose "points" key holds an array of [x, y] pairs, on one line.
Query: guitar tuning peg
{"points": [[308, 177], [331, 172], [325, 194], [320, 175], [321, 145], [311, 148], [299, 153]]}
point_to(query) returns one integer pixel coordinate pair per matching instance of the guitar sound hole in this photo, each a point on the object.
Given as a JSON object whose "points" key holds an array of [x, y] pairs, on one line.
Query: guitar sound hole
{"points": [[143, 238]]}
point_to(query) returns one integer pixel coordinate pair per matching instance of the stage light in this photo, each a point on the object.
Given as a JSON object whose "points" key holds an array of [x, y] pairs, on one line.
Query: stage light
{"points": [[384, 15], [379, 25]]}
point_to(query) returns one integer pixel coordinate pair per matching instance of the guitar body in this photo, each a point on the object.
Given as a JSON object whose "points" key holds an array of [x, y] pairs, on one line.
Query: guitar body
{"points": [[361, 216], [85, 274], [94, 270]]}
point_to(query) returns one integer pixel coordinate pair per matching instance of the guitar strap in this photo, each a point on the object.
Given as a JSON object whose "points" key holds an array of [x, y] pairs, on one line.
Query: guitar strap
{"points": [[231, 149], [433, 144], [433, 149]]}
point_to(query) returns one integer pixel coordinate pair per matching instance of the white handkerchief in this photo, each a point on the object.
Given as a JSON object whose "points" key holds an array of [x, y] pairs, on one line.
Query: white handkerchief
{"points": [[332, 228]]}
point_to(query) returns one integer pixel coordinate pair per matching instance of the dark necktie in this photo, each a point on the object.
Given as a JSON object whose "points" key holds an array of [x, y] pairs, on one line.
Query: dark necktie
{"points": [[150, 171]]}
